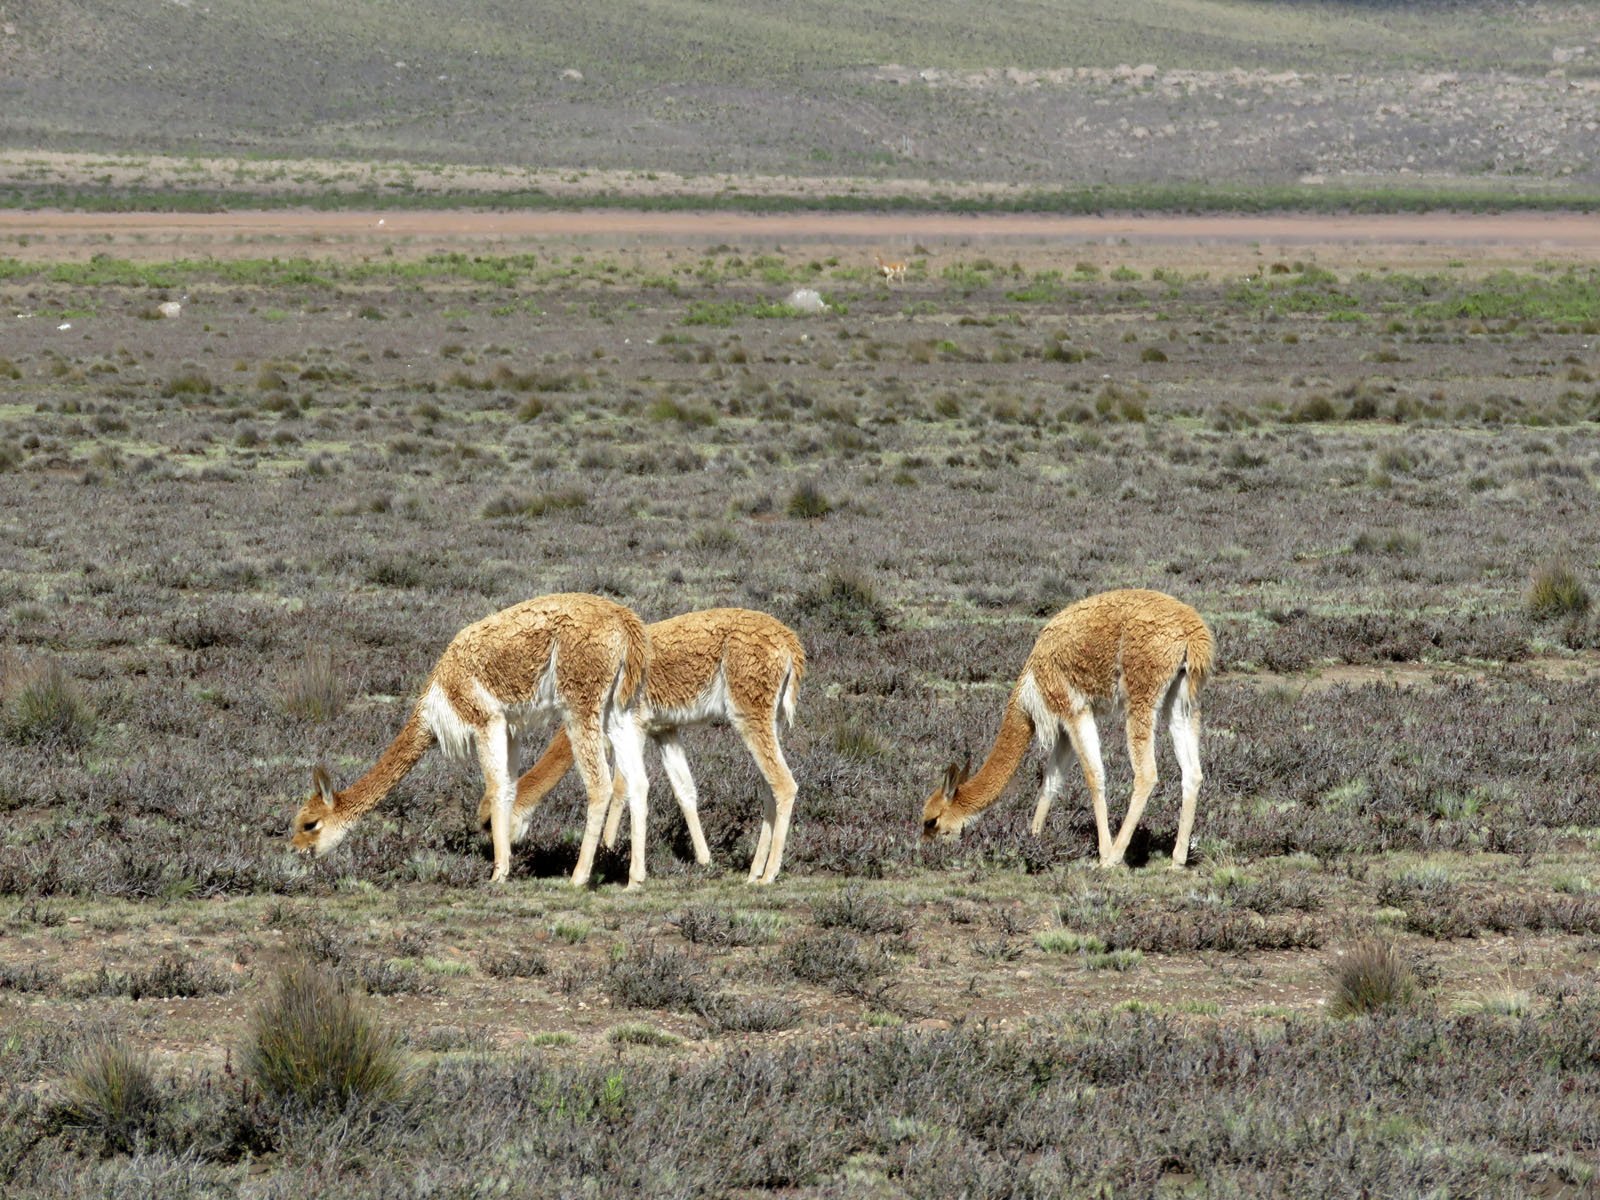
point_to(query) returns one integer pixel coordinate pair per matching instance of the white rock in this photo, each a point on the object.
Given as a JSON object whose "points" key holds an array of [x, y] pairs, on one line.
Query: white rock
{"points": [[169, 309], [807, 300]]}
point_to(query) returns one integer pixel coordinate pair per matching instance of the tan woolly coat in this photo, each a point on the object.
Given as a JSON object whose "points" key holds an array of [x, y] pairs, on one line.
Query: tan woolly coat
{"points": [[730, 664], [1122, 649], [567, 653]]}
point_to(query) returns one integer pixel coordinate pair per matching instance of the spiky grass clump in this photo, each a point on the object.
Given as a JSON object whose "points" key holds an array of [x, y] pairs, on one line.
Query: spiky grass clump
{"points": [[1556, 592], [40, 704], [111, 1095], [314, 1046], [1065, 941], [637, 1033], [313, 689], [1371, 976], [845, 602], [808, 503]]}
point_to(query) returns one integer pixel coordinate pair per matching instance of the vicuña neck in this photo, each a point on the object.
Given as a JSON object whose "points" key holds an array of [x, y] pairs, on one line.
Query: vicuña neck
{"points": [[1005, 756], [393, 765]]}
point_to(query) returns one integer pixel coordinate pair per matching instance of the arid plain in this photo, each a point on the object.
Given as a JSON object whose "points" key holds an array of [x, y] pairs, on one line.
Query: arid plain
{"points": [[235, 540]]}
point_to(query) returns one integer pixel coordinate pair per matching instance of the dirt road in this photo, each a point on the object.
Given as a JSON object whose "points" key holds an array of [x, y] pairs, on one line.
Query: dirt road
{"points": [[51, 234]]}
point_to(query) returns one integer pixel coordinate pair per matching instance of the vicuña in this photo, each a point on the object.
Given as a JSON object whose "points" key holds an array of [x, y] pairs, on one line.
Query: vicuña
{"points": [[1141, 651], [580, 658], [890, 270], [724, 664]]}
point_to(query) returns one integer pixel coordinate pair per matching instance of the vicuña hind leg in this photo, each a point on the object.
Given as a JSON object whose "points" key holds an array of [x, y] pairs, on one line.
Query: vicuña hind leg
{"points": [[619, 798], [1055, 777], [589, 755], [627, 745], [1085, 738], [1142, 752], [777, 806], [498, 792], [1184, 725]]}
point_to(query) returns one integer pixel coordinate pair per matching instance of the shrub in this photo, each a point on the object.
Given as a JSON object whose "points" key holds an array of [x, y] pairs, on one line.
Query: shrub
{"points": [[515, 964], [808, 503], [1556, 592], [313, 689], [40, 704], [845, 602], [857, 909], [110, 1094], [395, 572], [707, 925], [651, 977], [314, 1046], [1371, 976], [539, 504], [839, 960], [170, 976], [761, 1014]]}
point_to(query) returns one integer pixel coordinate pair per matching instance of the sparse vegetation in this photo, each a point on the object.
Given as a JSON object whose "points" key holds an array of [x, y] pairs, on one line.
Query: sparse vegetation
{"points": [[1394, 741]]}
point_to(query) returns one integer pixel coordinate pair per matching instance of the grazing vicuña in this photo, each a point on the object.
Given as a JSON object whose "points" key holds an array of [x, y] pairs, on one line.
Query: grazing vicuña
{"points": [[1142, 651], [724, 664], [578, 657]]}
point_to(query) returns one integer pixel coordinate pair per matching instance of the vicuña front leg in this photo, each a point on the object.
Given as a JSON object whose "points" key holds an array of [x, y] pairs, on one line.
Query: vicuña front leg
{"points": [[499, 791], [676, 764]]}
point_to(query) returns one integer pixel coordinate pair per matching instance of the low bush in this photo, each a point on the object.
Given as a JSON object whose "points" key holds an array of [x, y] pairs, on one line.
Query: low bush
{"points": [[651, 976]]}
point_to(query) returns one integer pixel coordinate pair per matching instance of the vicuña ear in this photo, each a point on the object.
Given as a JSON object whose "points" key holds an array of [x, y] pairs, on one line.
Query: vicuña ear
{"points": [[966, 771], [952, 780], [322, 782]]}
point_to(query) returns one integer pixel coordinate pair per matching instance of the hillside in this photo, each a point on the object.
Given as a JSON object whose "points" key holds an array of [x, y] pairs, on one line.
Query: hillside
{"points": [[1045, 94]]}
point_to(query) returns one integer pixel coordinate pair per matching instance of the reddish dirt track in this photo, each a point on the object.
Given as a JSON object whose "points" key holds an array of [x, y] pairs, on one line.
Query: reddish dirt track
{"points": [[1573, 235]]}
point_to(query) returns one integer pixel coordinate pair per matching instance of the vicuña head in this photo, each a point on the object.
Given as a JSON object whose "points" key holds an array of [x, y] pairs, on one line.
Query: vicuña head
{"points": [[317, 827], [1139, 650], [942, 816]]}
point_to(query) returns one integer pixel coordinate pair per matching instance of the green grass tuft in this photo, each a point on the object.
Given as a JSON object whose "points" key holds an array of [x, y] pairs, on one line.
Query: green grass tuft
{"points": [[314, 1046], [1371, 977], [110, 1095], [1556, 592], [40, 704]]}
